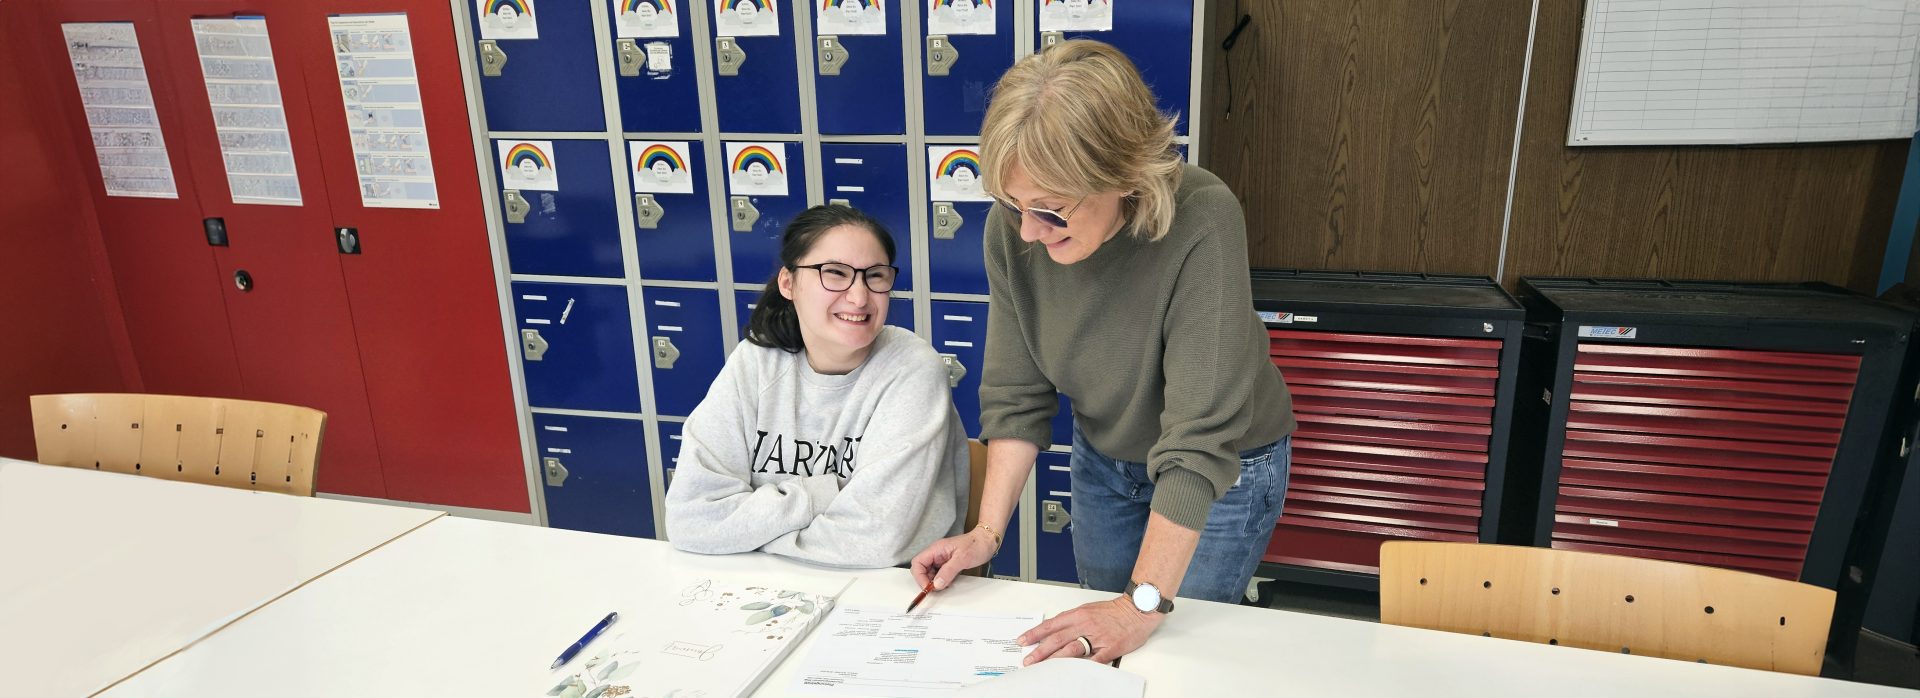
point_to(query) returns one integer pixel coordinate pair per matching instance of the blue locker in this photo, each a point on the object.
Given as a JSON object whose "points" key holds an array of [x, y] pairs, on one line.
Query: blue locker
{"points": [[756, 250], [1053, 542], [1158, 36], [551, 83], [954, 256], [605, 489], [859, 88], [899, 310], [576, 345], [960, 333], [1006, 563], [669, 450], [956, 102], [758, 83], [570, 232], [683, 334], [673, 229], [870, 177], [651, 99]]}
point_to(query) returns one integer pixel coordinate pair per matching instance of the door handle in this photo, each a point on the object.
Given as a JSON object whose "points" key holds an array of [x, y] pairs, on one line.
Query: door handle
{"points": [[556, 473], [1054, 517], [517, 206], [940, 55], [744, 214], [664, 352], [647, 212], [729, 56], [533, 347], [492, 58], [631, 58], [833, 55], [946, 221], [956, 371]]}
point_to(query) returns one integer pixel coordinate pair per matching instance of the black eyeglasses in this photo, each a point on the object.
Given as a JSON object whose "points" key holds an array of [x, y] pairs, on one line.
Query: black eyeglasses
{"points": [[837, 277], [1044, 215]]}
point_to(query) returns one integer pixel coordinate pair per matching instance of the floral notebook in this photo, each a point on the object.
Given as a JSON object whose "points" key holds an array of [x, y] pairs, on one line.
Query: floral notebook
{"points": [[713, 641]]}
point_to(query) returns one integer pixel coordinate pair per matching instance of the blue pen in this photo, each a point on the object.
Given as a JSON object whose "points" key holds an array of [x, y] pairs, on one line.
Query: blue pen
{"points": [[567, 656]]}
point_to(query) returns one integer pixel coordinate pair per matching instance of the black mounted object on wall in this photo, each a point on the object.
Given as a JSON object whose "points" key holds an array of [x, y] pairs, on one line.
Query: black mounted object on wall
{"points": [[1726, 424], [216, 229], [1403, 385]]}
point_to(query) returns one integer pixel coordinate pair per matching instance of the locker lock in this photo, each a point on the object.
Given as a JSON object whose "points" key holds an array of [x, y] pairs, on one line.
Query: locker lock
{"points": [[946, 221], [533, 347], [517, 206], [647, 212], [940, 55], [556, 473], [347, 239], [956, 371], [744, 214], [729, 56], [631, 57], [664, 353], [840, 202], [832, 55], [1051, 39], [1054, 518], [492, 58]]}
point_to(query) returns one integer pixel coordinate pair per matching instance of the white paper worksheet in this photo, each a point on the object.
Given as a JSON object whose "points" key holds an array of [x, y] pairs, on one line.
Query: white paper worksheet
{"points": [[872, 652]]}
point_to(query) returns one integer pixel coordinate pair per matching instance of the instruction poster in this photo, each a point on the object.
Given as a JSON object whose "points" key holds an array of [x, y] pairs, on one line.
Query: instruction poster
{"points": [[955, 174], [119, 104], [660, 167], [851, 17], [507, 19], [374, 57], [236, 58], [757, 169], [1076, 15], [647, 19], [527, 165], [960, 17], [746, 17]]}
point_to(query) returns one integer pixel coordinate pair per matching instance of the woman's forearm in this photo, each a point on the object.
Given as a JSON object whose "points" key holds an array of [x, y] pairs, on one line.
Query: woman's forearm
{"points": [[1009, 463], [1164, 554]]}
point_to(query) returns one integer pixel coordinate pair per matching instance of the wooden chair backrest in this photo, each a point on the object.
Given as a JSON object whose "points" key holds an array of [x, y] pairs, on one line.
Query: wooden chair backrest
{"points": [[234, 443], [1611, 603]]}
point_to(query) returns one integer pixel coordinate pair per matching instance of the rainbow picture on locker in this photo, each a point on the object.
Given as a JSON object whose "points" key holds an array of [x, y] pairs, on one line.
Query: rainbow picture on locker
{"points": [[657, 5], [864, 4], [528, 152], [661, 154], [958, 159], [949, 3], [752, 154], [519, 6], [760, 5]]}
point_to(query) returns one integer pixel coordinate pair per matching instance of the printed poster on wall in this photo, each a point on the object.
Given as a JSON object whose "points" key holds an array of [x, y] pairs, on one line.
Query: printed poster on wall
{"points": [[960, 17], [647, 19], [757, 169], [850, 17], [236, 58], [746, 17], [527, 165], [660, 167], [955, 174], [373, 55], [507, 19], [1076, 15], [119, 103]]}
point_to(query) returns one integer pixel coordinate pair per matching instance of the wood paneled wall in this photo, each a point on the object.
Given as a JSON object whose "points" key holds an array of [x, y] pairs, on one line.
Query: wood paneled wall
{"points": [[1377, 135]]}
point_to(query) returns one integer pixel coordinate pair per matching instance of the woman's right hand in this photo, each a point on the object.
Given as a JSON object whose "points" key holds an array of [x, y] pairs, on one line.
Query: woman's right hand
{"points": [[948, 557]]}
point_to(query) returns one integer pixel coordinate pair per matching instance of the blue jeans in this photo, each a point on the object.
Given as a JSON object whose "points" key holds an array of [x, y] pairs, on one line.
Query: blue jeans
{"points": [[1111, 502]]}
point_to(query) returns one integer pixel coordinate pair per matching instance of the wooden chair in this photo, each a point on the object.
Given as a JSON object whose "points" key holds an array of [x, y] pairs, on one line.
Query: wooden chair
{"points": [[1606, 602], [234, 443]]}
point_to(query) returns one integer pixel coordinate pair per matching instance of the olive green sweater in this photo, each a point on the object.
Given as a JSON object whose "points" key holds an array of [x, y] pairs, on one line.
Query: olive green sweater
{"points": [[1156, 343]]}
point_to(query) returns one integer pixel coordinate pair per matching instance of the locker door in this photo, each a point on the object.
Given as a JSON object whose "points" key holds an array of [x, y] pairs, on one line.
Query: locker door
{"points": [[683, 332], [899, 310], [670, 449], [576, 346], [653, 57], [871, 177], [292, 325], [537, 70], [1053, 542], [960, 335], [957, 215], [167, 275], [672, 214], [758, 84], [557, 202], [968, 44], [595, 474], [766, 187], [1158, 36], [425, 305], [858, 84]]}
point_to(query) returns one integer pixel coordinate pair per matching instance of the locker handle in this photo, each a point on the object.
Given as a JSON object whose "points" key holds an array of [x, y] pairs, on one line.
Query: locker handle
{"points": [[492, 58], [517, 206], [347, 239], [533, 347], [664, 352], [956, 371], [556, 473], [243, 281], [729, 55], [1051, 39], [941, 55], [1054, 518], [744, 214], [647, 212], [631, 58], [946, 221], [832, 55], [840, 202]]}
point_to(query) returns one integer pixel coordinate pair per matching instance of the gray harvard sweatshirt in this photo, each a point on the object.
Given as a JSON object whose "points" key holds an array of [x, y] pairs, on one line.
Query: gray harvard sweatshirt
{"points": [[860, 470]]}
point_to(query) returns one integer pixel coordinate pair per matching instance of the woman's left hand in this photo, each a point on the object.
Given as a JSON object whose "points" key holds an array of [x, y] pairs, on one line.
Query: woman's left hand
{"points": [[1114, 627]]}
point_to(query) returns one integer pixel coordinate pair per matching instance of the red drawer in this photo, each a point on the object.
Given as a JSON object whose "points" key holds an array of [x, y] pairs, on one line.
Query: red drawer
{"points": [[1438, 490], [1356, 430], [1443, 516], [1696, 392], [1784, 569], [1438, 408], [1667, 507], [1705, 423], [1406, 532], [1675, 479]]}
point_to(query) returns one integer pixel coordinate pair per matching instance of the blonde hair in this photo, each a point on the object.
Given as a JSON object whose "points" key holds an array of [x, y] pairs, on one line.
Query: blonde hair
{"points": [[1078, 118]]}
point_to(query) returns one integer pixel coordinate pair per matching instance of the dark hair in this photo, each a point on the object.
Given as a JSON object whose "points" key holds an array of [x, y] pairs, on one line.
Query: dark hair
{"points": [[774, 324]]}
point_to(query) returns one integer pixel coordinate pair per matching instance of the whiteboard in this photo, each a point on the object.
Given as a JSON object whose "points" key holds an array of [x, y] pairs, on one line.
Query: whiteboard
{"points": [[1658, 72]]}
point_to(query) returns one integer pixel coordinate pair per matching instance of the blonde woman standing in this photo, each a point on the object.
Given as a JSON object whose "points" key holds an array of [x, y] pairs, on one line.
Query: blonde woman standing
{"points": [[1119, 277]]}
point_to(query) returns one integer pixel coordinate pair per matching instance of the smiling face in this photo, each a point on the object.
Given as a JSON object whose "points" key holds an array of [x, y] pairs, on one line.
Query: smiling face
{"points": [[1090, 224], [838, 328]]}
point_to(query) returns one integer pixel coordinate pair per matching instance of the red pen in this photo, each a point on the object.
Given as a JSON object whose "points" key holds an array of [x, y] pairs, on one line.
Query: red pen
{"points": [[918, 598]]}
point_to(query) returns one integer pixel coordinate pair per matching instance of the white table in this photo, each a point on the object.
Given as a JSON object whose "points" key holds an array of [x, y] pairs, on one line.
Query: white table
{"points": [[464, 607], [102, 574]]}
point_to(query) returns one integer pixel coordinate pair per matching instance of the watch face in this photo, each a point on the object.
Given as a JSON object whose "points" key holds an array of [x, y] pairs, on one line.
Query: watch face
{"points": [[1146, 598]]}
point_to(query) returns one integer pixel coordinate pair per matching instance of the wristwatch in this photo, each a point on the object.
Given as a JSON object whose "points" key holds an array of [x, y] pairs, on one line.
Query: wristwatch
{"points": [[1147, 599]]}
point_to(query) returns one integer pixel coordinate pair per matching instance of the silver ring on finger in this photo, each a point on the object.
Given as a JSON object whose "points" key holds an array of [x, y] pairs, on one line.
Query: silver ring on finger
{"points": [[1086, 646]]}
